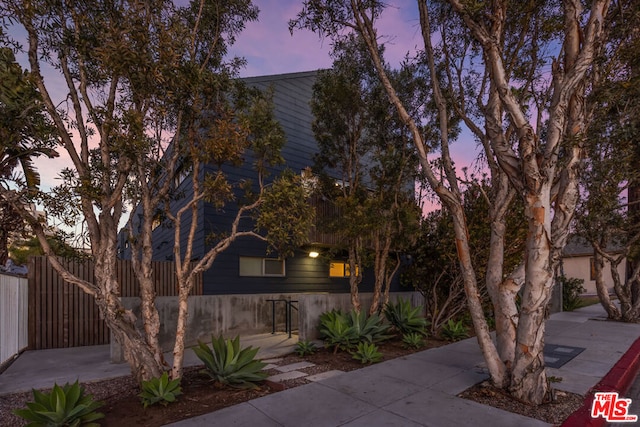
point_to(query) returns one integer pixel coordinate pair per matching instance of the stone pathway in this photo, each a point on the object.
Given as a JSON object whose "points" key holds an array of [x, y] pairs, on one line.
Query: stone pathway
{"points": [[293, 371]]}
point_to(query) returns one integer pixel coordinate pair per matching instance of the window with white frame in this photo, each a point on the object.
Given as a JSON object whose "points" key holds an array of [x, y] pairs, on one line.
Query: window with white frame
{"points": [[261, 267]]}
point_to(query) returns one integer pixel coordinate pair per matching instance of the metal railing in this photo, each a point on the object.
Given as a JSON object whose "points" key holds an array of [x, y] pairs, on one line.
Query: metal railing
{"points": [[289, 307]]}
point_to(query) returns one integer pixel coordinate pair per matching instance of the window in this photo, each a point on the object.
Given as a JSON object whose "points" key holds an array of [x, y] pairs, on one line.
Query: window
{"points": [[258, 267], [340, 269], [181, 174], [592, 268]]}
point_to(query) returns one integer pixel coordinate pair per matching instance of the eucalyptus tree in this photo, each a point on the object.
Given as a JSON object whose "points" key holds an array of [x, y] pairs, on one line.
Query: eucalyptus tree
{"points": [[434, 270], [505, 50], [273, 209], [608, 214], [341, 122], [123, 83], [362, 143]]}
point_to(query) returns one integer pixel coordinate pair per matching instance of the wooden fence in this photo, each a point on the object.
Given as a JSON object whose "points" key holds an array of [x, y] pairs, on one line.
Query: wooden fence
{"points": [[62, 315], [13, 316]]}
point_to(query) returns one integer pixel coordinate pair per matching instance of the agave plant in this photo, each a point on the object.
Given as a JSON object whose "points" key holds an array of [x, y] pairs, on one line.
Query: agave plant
{"points": [[368, 328], [336, 331], [405, 318], [305, 347], [227, 364], [454, 331], [63, 406], [413, 340], [160, 390], [367, 353], [344, 331]]}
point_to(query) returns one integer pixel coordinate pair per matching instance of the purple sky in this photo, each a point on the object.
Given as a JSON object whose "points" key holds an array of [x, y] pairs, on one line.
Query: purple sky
{"points": [[269, 48]]}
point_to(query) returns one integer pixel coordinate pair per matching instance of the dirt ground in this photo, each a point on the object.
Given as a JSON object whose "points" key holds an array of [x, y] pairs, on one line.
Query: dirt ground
{"points": [[122, 406]]}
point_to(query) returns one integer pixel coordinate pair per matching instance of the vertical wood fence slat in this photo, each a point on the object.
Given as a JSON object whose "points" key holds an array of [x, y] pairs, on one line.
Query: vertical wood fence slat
{"points": [[62, 315], [13, 316]]}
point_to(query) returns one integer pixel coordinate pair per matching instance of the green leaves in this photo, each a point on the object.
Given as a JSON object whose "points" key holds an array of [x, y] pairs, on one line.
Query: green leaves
{"points": [[63, 406], [26, 131], [367, 353], [160, 390], [406, 318], [413, 340], [227, 364], [304, 348], [285, 214], [454, 331], [344, 331]]}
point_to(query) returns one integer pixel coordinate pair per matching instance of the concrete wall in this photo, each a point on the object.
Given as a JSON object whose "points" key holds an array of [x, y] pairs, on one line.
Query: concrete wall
{"points": [[579, 267], [232, 315], [312, 306], [229, 315]]}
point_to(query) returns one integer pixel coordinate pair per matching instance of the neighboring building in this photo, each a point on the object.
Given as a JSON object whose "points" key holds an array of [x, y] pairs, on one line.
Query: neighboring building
{"points": [[245, 267], [578, 262]]}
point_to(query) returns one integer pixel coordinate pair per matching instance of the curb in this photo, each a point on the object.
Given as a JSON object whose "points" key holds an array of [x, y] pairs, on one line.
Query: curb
{"points": [[619, 379]]}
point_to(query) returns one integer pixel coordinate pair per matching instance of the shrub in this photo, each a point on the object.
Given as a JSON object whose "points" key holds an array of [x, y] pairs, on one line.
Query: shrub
{"points": [[367, 353], [160, 390], [304, 348], [227, 364], [344, 331], [454, 331], [63, 406], [369, 328], [413, 340], [571, 290], [405, 318], [336, 331]]}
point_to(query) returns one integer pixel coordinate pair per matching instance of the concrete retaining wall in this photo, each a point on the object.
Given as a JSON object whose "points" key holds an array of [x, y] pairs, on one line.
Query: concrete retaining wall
{"points": [[312, 306], [232, 315]]}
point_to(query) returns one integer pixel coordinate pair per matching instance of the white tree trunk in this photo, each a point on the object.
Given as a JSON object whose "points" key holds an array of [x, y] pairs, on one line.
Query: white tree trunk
{"points": [[181, 330], [528, 378]]}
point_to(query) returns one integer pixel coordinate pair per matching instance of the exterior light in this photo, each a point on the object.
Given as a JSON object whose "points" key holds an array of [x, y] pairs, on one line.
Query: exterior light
{"points": [[313, 254]]}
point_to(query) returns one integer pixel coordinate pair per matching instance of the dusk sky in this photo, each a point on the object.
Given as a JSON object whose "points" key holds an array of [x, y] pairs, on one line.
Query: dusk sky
{"points": [[269, 48]]}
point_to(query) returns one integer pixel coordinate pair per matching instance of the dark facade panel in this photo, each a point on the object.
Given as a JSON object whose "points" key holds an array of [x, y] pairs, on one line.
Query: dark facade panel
{"points": [[292, 93]]}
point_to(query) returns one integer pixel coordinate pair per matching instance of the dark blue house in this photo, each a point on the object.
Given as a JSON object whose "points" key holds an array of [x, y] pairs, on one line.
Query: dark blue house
{"points": [[245, 267]]}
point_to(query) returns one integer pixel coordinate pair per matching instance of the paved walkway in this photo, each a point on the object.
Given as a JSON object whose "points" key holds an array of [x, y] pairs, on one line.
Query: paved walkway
{"points": [[42, 368], [416, 390]]}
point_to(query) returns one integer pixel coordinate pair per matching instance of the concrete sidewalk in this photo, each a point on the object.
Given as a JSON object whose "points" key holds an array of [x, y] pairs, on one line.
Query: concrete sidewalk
{"points": [[42, 368], [416, 390], [421, 389]]}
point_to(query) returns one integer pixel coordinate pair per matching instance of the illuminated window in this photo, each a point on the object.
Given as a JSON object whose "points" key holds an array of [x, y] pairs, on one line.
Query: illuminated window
{"points": [[258, 267], [340, 269]]}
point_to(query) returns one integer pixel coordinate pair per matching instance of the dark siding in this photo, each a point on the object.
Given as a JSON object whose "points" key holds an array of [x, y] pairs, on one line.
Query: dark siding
{"points": [[303, 275], [291, 96]]}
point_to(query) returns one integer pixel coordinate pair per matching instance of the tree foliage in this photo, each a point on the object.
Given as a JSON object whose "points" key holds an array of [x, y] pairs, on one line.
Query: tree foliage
{"points": [[489, 62], [363, 144], [434, 270], [140, 94], [609, 212]]}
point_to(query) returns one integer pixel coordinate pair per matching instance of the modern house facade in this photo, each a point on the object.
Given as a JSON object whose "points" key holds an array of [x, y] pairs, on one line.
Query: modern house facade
{"points": [[245, 267]]}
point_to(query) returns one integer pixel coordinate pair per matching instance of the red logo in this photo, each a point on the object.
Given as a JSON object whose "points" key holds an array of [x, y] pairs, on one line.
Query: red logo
{"points": [[612, 408]]}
